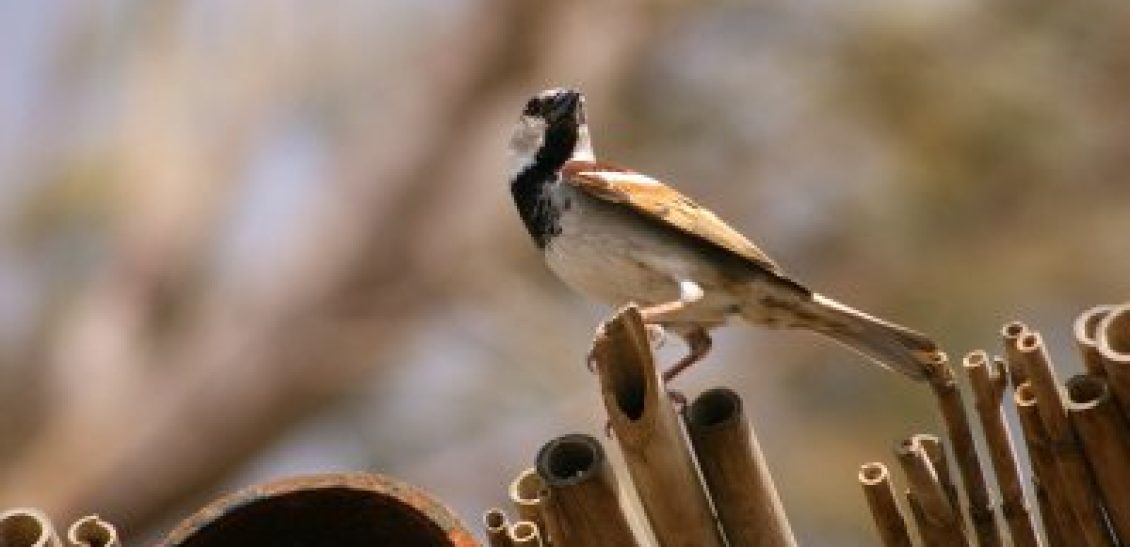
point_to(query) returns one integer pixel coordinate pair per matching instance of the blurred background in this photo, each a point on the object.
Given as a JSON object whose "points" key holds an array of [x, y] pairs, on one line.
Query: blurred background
{"points": [[240, 240]]}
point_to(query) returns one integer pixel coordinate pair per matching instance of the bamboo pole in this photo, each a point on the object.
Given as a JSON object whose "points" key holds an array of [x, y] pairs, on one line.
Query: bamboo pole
{"points": [[988, 390], [581, 492], [1057, 513], [526, 494], [961, 441], [649, 434], [1085, 330], [1010, 333], [1106, 442], [525, 533], [876, 483], [1114, 347], [91, 531], [27, 527], [1072, 467], [1055, 536], [737, 477], [495, 523], [939, 520]]}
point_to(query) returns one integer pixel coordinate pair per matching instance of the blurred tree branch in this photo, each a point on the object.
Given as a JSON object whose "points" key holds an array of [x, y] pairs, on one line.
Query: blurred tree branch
{"points": [[244, 364]]}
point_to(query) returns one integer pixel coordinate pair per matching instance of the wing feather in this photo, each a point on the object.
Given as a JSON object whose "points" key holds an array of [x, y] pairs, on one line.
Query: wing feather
{"points": [[663, 204]]}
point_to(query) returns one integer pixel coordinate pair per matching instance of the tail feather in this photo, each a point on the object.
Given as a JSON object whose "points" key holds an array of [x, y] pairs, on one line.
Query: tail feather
{"points": [[889, 345]]}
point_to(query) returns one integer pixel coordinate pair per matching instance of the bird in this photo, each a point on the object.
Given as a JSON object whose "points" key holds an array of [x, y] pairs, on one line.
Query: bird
{"points": [[618, 236]]}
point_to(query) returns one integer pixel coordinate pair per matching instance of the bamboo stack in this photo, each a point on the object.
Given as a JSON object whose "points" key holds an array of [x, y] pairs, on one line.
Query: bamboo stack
{"points": [[1076, 435], [699, 474], [27, 527]]}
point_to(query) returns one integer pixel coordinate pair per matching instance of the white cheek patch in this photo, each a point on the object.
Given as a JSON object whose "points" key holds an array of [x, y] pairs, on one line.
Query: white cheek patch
{"points": [[615, 177], [528, 136]]}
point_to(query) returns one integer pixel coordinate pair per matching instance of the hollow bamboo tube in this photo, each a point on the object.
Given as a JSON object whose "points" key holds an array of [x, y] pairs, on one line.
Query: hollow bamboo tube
{"points": [[496, 525], [1010, 333], [936, 453], [988, 382], [1061, 517], [1052, 531], [648, 432], [581, 492], [525, 533], [1106, 442], [939, 521], [961, 441], [525, 493], [27, 527], [876, 483], [91, 531], [737, 477], [1078, 485], [1085, 330], [1114, 347]]}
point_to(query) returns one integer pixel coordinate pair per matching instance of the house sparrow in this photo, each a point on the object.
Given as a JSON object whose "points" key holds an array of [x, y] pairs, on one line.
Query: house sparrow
{"points": [[619, 236]]}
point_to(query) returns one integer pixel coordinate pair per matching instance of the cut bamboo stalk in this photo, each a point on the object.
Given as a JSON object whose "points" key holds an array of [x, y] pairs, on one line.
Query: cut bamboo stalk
{"points": [[91, 531], [496, 525], [524, 533], [876, 483], [936, 453], [1057, 513], [1010, 333], [525, 493], [961, 441], [1085, 328], [581, 493], [27, 527], [988, 391], [737, 477], [1077, 482], [649, 434], [1054, 535], [1106, 442], [1114, 347], [940, 522]]}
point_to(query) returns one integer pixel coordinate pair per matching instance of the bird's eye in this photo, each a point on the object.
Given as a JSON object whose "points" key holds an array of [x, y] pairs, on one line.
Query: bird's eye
{"points": [[533, 107]]}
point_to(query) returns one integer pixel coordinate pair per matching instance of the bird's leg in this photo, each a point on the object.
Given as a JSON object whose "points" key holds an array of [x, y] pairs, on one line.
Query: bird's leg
{"points": [[689, 293], [699, 342]]}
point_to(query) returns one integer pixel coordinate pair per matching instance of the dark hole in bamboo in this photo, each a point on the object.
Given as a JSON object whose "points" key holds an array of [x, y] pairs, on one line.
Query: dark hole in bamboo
{"points": [[631, 390], [1013, 329], [92, 531], [1028, 341], [714, 407], [872, 473], [976, 358], [325, 516], [21, 529], [523, 531], [1085, 392], [568, 459], [1025, 395], [494, 519]]}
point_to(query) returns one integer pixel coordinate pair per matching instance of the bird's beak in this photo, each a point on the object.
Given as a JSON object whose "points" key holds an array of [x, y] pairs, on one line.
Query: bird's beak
{"points": [[567, 104]]}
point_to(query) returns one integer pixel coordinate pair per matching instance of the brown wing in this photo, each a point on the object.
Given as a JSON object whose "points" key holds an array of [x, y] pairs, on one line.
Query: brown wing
{"points": [[658, 201]]}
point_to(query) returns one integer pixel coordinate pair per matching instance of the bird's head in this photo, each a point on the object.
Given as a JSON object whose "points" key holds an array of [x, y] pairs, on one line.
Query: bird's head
{"points": [[550, 131]]}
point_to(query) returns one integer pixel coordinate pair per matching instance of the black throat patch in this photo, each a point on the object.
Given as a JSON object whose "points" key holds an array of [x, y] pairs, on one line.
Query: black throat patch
{"points": [[531, 188]]}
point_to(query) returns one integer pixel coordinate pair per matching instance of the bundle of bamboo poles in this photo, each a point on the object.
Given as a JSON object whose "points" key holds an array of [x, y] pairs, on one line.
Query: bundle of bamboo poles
{"points": [[699, 474], [27, 527], [1076, 435]]}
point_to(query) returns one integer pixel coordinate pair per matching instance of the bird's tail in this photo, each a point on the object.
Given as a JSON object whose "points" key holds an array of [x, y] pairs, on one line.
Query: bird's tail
{"points": [[887, 344]]}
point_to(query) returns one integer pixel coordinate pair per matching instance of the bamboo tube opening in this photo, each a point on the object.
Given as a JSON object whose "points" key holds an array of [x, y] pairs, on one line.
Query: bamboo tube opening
{"points": [[1087, 324], [715, 407], [1028, 341], [1114, 337], [976, 358], [1013, 329], [873, 473], [569, 459], [630, 389], [494, 520], [523, 531], [92, 531], [526, 487], [1085, 392], [24, 527], [1025, 395]]}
